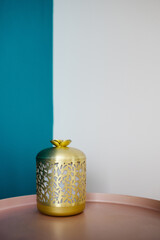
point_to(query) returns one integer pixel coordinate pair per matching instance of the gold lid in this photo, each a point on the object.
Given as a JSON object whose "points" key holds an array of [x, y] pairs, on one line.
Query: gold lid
{"points": [[60, 152]]}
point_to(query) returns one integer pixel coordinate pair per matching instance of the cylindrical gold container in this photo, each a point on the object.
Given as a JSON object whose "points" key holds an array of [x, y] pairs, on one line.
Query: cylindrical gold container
{"points": [[61, 180]]}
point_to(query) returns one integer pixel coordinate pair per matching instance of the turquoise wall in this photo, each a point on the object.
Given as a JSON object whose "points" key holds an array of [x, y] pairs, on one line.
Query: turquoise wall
{"points": [[25, 91]]}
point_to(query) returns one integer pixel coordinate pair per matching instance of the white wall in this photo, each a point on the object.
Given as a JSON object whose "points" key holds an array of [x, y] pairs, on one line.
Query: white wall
{"points": [[107, 90]]}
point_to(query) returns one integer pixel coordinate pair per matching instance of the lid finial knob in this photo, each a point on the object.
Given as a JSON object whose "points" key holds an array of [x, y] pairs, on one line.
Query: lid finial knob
{"points": [[60, 143]]}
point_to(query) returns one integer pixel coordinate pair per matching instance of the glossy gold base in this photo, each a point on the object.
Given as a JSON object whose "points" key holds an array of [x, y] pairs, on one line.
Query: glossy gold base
{"points": [[60, 211]]}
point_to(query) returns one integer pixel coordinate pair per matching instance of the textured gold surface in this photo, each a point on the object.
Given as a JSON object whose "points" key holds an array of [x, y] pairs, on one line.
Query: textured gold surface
{"points": [[61, 179], [61, 184]]}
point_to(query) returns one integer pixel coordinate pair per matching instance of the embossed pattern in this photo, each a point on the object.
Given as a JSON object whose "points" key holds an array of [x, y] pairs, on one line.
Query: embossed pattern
{"points": [[61, 184]]}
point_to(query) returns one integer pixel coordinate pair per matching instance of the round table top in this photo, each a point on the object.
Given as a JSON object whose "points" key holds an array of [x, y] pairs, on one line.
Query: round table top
{"points": [[106, 216]]}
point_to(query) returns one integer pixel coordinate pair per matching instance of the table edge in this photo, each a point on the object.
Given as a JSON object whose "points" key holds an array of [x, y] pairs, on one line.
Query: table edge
{"points": [[90, 197]]}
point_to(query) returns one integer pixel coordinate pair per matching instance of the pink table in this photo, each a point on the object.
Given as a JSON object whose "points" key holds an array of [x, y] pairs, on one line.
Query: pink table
{"points": [[106, 216]]}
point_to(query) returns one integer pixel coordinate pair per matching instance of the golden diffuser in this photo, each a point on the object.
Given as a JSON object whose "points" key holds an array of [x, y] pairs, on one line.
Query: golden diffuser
{"points": [[61, 179]]}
